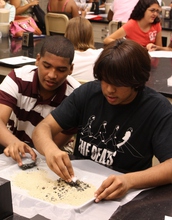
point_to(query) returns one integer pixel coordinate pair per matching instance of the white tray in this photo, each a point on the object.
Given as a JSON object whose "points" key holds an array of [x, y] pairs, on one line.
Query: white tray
{"points": [[17, 192]]}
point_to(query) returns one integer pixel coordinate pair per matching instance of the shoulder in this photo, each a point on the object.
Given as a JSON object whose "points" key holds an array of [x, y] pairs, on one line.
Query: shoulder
{"points": [[91, 51], [71, 3], [26, 72], [156, 100], [130, 24], [71, 85], [89, 88], [157, 26]]}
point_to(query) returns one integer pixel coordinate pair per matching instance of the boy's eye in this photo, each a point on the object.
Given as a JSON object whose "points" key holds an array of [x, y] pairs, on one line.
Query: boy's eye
{"points": [[61, 69], [46, 65]]}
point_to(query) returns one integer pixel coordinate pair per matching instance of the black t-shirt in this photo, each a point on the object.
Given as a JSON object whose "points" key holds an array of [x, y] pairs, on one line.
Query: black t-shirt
{"points": [[122, 137]]}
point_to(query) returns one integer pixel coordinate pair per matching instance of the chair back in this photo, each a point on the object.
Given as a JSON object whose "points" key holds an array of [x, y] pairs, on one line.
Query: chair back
{"points": [[56, 23], [114, 25]]}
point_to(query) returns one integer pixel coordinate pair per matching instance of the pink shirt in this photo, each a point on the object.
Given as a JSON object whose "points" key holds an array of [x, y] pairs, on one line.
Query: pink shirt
{"points": [[133, 32], [122, 9]]}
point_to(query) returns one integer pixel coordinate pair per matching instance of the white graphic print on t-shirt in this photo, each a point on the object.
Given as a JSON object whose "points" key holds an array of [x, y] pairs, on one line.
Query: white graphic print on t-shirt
{"points": [[97, 145]]}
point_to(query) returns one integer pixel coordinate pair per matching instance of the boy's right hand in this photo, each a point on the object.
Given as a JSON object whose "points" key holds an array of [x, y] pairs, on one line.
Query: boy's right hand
{"points": [[59, 162], [18, 150]]}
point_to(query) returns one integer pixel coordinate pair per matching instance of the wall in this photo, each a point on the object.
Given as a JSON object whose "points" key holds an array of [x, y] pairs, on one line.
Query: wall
{"points": [[43, 4], [167, 2]]}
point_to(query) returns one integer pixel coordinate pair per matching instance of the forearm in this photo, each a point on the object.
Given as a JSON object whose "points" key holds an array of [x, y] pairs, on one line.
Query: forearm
{"points": [[62, 139], [6, 137], [108, 40], [42, 138], [154, 176], [21, 9]]}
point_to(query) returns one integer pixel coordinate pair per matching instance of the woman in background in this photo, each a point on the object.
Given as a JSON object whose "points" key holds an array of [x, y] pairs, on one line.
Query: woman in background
{"points": [[67, 7], [143, 25], [80, 32], [24, 7], [4, 4]]}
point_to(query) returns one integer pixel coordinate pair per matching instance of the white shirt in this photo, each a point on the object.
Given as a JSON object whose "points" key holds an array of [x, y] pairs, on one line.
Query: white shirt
{"points": [[12, 10], [122, 9], [84, 63]]}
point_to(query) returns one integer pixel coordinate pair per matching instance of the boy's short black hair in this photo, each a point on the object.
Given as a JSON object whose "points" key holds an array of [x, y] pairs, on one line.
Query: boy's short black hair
{"points": [[59, 46]]}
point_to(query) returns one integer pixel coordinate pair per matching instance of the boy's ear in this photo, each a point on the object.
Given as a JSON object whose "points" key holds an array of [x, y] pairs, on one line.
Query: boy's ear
{"points": [[38, 57], [71, 68]]}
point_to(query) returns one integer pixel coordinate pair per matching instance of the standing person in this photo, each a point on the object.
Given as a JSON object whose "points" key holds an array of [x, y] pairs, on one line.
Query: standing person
{"points": [[11, 8], [67, 7], [121, 124], [85, 52], [28, 94], [143, 25], [121, 10]]}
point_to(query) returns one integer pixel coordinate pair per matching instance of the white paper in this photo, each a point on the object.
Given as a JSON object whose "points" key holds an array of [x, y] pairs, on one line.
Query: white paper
{"points": [[169, 81], [29, 207], [84, 176], [17, 60], [90, 16], [167, 217], [165, 54]]}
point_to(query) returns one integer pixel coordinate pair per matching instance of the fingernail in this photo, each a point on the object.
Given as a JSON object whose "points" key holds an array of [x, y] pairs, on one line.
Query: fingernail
{"points": [[96, 200]]}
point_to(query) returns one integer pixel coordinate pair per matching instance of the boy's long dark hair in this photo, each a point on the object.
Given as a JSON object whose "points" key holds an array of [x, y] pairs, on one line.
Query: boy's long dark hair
{"points": [[123, 63]]}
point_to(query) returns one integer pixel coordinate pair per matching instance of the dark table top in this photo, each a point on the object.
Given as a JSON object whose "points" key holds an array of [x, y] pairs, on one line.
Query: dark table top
{"points": [[152, 204], [12, 47], [161, 70]]}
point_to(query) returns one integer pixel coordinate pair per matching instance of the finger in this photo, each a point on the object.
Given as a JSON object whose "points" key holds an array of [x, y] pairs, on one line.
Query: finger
{"points": [[29, 150], [104, 190], [6, 152], [69, 167], [64, 168], [60, 170], [17, 158], [13, 153]]}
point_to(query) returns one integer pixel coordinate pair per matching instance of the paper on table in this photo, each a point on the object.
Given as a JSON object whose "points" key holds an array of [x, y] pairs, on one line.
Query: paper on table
{"points": [[17, 60], [165, 54], [169, 81], [90, 16], [167, 217], [102, 210]]}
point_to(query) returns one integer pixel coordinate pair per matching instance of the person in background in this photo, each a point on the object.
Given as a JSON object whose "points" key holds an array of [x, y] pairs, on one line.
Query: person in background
{"points": [[67, 7], [143, 25], [153, 47], [120, 123], [24, 7], [28, 94], [4, 4], [82, 6], [80, 32], [121, 10]]}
